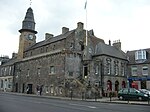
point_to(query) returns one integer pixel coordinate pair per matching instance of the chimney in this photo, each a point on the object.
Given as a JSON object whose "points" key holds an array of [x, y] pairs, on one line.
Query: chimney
{"points": [[117, 44], [14, 55], [48, 36], [80, 25], [64, 30]]}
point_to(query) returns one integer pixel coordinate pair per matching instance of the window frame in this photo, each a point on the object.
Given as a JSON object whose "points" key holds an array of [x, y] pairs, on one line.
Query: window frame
{"points": [[134, 68], [140, 55], [52, 70], [145, 74]]}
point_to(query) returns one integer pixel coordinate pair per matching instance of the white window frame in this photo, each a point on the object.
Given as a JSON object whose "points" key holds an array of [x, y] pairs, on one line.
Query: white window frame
{"points": [[140, 54], [133, 71], [143, 72]]}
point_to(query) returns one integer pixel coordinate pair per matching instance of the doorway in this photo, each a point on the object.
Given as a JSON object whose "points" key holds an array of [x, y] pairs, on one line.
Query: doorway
{"points": [[16, 87], [143, 84], [116, 86], [23, 88], [29, 89]]}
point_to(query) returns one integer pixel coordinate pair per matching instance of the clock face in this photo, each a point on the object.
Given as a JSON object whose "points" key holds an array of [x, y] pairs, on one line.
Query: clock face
{"points": [[30, 37]]}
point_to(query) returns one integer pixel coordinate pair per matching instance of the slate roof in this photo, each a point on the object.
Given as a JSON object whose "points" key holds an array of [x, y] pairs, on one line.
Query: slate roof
{"points": [[10, 62], [104, 49], [131, 56], [51, 40]]}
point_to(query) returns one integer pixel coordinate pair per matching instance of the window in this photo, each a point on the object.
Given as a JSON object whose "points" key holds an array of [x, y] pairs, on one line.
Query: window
{"points": [[9, 82], [85, 71], [46, 89], [108, 66], [109, 69], [28, 72], [71, 45], [71, 74], [10, 70], [54, 47], [38, 71], [5, 71], [139, 55], [52, 90], [52, 69], [122, 70], [145, 70], [42, 50], [47, 49], [116, 68], [2, 83], [96, 70], [134, 71]]}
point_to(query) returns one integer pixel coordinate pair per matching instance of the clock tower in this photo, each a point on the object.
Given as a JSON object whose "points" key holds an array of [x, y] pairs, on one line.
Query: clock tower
{"points": [[27, 36]]}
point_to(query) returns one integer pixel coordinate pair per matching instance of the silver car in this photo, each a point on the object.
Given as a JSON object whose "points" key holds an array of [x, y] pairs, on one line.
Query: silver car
{"points": [[145, 91]]}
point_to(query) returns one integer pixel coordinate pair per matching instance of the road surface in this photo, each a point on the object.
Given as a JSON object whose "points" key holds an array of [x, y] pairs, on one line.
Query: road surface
{"points": [[20, 103]]}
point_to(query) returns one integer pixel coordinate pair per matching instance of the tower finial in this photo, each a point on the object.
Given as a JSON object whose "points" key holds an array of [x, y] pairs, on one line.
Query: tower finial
{"points": [[30, 2]]}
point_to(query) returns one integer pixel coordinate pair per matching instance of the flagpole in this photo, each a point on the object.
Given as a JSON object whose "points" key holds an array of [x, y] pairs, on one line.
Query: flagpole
{"points": [[86, 23]]}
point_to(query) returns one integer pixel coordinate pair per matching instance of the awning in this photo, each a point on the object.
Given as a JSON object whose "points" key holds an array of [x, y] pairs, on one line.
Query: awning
{"points": [[139, 78]]}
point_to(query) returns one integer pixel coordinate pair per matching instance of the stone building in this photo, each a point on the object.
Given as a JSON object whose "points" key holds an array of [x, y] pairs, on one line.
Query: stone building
{"points": [[139, 68], [75, 63], [6, 74]]}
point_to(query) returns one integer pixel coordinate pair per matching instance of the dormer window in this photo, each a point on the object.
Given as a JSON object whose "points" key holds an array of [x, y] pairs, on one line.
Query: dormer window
{"points": [[140, 55]]}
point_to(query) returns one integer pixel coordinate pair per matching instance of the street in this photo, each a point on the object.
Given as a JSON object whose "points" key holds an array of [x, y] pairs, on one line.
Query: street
{"points": [[18, 103]]}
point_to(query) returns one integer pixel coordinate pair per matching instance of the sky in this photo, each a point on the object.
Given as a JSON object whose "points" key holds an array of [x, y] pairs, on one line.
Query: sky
{"points": [[124, 20]]}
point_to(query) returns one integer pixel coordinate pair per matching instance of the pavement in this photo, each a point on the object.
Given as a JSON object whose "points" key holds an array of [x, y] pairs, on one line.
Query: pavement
{"points": [[102, 100]]}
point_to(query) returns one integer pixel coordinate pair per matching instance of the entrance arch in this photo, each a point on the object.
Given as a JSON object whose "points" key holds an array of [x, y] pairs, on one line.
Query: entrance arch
{"points": [[109, 85]]}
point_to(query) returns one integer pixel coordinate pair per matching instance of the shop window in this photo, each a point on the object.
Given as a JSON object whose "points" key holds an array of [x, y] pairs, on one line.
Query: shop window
{"points": [[143, 84]]}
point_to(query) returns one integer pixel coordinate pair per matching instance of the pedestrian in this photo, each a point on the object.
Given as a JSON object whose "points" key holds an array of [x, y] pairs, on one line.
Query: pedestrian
{"points": [[27, 90], [40, 90]]}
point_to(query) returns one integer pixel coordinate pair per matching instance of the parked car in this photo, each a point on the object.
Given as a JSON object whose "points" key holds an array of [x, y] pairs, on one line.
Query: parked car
{"points": [[132, 94], [145, 91]]}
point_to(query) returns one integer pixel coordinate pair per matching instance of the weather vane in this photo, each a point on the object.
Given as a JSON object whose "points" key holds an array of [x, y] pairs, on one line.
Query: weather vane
{"points": [[30, 2]]}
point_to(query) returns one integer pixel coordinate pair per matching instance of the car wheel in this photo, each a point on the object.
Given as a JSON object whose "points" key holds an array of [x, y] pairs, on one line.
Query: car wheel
{"points": [[140, 98], [120, 97]]}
